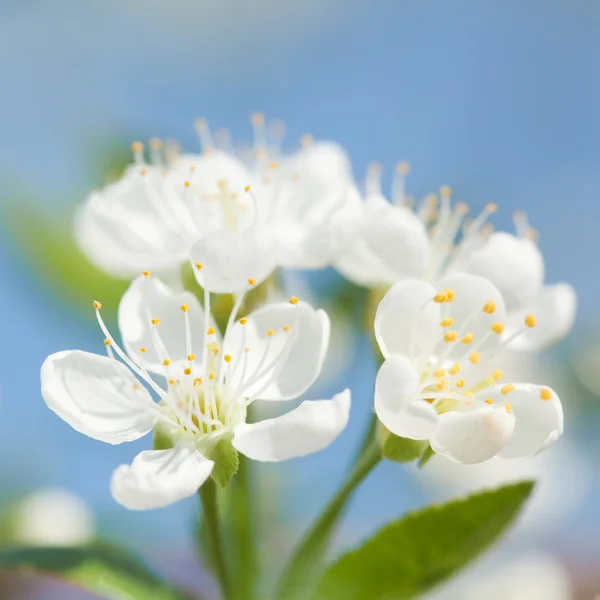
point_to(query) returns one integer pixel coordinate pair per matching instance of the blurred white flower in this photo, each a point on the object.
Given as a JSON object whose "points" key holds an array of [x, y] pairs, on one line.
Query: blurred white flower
{"points": [[533, 576], [295, 209], [438, 383], [275, 353], [53, 517], [394, 243]]}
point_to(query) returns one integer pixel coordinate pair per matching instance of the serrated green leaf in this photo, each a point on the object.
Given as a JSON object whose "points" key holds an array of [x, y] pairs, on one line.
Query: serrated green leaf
{"points": [[409, 556], [102, 569], [401, 449], [226, 460]]}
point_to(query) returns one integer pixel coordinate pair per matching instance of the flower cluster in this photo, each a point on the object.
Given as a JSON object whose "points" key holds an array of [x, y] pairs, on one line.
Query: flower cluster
{"points": [[458, 294]]}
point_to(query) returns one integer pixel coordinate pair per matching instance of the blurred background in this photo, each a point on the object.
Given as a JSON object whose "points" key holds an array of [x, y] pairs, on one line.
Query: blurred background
{"points": [[499, 100]]}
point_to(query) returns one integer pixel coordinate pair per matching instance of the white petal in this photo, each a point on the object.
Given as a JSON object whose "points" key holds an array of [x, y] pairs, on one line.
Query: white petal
{"points": [[148, 298], [280, 366], [554, 309], [156, 478], [396, 405], [513, 264], [121, 231], [407, 320], [539, 422], [473, 436], [307, 429], [471, 294], [97, 396], [228, 260]]}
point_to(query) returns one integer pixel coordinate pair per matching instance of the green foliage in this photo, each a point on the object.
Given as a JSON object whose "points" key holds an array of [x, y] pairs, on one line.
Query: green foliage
{"points": [[401, 449], [101, 569], [226, 459], [410, 556]]}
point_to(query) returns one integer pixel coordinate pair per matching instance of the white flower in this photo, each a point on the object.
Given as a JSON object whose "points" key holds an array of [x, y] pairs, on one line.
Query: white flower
{"points": [[54, 517], [438, 381], [291, 213], [274, 354], [394, 243]]}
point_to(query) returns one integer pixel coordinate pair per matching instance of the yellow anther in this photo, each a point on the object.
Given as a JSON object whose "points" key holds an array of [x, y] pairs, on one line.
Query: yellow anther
{"points": [[461, 208], [491, 208], [488, 400], [459, 383], [216, 351], [155, 321], [489, 307], [143, 350], [441, 384], [243, 321], [545, 394], [107, 342], [137, 147], [449, 295], [467, 339], [246, 349], [445, 191], [508, 407], [198, 381], [172, 381], [439, 373], [210, 330], [143, 171], [403, 168], [454, 369], [447, 322], [146, 273], [227, 358], [509, 387], [468, 394], [187, 184], [198, 265], [293, 300], [286, 327], [155, 143], [184, 307], [251, 281], [468, 402], [166, 362], [497, 327], [273, 165], [97, 305], [270, 332], [474, 357], [497, 375], [211, 375], [440, 297], [247, 188], [191, 357], [530, 320], [187, 371], [450, 336], [266, 180], [257, 118]]}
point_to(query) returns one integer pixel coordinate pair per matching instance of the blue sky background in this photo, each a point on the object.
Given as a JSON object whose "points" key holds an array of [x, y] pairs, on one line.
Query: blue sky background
{"points": [[500, 100]]}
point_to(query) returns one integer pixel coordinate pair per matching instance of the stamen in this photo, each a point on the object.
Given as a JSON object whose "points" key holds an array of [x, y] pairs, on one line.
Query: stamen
{"points": [[454, 369], [450, 336], [474, 357], [509, 387], [243, 321], [467, 339], [198, 265], [96, 305], [488, 401], [399, 182], [497, 375], [447, 322], [373, 180], [155, 321], [293, 300], [146, 273], [251, 281], [439, 373], [138, 152], [203, 132], [508, 407], [489, 307], [107, 342], [530, 320], [545, 394], [497, 328]]}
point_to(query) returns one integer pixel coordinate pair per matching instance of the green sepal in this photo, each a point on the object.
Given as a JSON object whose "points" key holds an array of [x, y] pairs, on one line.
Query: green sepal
{"points": [[161, 438], [399, 449], [427, 456], [226, 460]]}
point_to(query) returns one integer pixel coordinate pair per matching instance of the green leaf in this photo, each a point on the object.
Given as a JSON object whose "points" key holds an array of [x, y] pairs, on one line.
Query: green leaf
{"points": [[226, 460], [409, 556], [401, 449], [101, 569]]}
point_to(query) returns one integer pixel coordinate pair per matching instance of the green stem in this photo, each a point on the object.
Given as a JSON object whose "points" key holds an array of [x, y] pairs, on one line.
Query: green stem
{"points": [[309, 554], [208, 496]]}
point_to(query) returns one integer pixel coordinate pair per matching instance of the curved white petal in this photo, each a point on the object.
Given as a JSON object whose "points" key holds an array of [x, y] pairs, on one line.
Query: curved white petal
{"points": [[307, 429], [279, 366], [513, 264], [473, 436], [97, 396], [539, 422], [229, 260], [554, 309], [134, 224], [396, 403], [148, 298], [407, 320], [156, 478], [471, 293]]}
